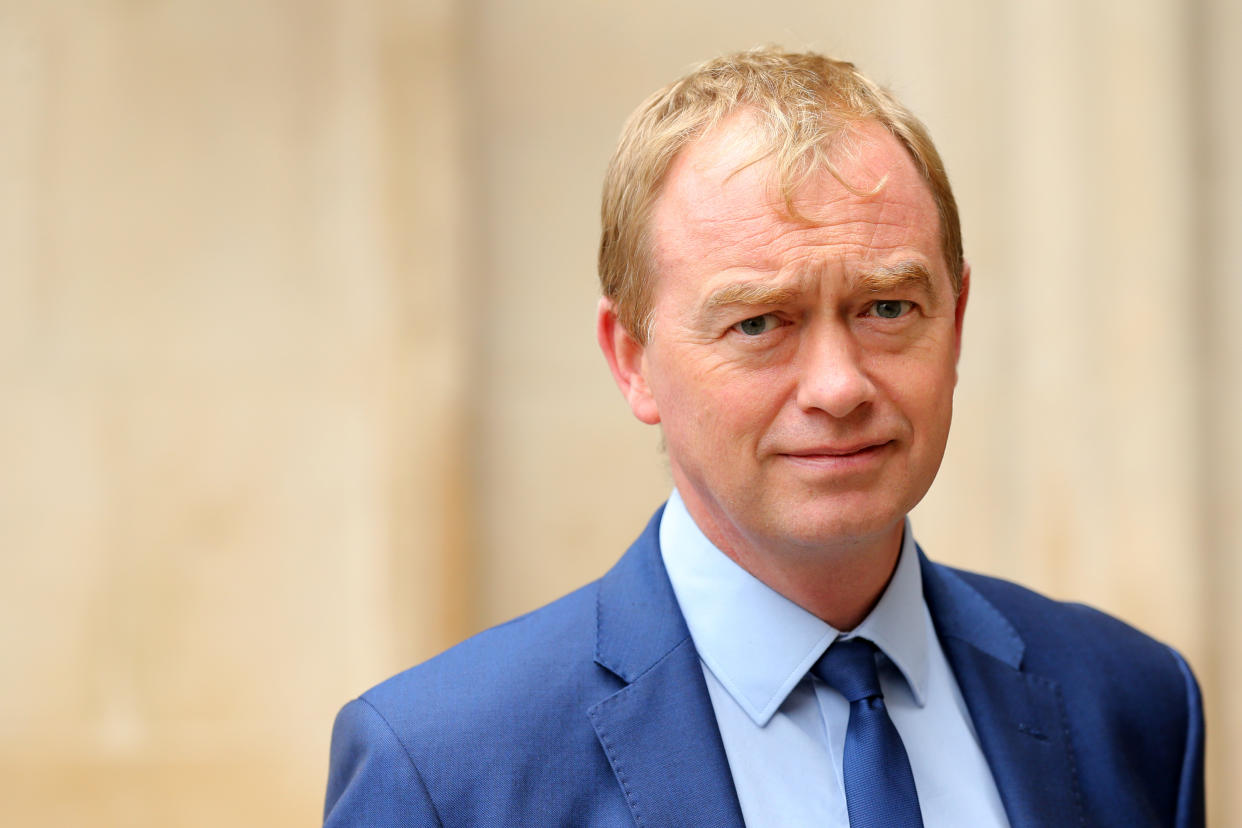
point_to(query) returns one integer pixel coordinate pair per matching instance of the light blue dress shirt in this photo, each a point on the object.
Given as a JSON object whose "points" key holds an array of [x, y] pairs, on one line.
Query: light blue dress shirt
{"points": [[784, 731]]}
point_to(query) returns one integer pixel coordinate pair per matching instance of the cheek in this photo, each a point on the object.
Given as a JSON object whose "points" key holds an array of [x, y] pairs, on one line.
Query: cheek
{"points": [[721, 416], [923, 395], [717, 402], [745, 399], [933, 411]]}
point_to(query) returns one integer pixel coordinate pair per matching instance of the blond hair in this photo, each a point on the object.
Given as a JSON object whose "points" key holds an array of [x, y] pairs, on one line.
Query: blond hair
{"points": [[803, 103]]}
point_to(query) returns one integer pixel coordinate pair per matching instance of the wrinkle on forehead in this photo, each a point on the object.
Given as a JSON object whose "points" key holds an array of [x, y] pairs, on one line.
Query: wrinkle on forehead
{"points": [[721, 211], [754, 241]]}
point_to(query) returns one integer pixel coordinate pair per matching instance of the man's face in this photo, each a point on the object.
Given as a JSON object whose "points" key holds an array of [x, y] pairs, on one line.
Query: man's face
{"points": [[803, 372]]}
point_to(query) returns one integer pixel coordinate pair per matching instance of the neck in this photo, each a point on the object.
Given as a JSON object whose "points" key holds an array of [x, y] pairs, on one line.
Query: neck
{"points": [[838, 581]]}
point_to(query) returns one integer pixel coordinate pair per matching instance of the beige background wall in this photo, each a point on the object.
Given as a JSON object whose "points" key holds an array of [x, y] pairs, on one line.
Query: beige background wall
{"points": [[299, 384]]}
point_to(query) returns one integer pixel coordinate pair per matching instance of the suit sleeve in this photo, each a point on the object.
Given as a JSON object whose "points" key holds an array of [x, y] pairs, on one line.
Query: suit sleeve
{"points": [[372, 781], [1190, 800]]}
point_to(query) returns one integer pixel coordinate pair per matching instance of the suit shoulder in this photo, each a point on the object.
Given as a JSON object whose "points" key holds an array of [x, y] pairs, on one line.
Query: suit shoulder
{"points": [[1070, 637], [1036, 614], [487, 722], [528, 681], [533, 648]]}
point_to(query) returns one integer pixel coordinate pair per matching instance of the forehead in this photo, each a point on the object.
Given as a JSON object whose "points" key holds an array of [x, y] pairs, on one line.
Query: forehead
{"points": [[720, 210]]}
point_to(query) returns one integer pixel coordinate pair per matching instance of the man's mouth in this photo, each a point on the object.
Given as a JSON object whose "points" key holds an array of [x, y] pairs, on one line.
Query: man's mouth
{"points": [[841, 450]]}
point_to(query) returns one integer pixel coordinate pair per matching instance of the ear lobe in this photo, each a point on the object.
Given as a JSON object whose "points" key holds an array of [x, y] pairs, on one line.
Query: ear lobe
{"points": [[626, 358]]}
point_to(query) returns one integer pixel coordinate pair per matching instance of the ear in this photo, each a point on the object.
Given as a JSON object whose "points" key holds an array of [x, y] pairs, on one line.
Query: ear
{"points": [[959, 314], [627, 358]]}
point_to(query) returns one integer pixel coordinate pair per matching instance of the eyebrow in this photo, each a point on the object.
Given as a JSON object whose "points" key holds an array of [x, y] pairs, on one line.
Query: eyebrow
{"points": [[749, 293], [907, 274], [879, 279]]}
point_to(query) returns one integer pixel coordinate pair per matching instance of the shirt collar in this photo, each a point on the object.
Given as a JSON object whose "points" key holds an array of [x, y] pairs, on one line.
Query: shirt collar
{"points": [[757, 642]]}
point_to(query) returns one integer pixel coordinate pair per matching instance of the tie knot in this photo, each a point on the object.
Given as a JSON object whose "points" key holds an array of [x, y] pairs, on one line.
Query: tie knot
{"points": [[849, 668]]}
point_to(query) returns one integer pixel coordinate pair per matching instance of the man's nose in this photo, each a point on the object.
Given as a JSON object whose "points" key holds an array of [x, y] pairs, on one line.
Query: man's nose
{"points": [[832, 377]]}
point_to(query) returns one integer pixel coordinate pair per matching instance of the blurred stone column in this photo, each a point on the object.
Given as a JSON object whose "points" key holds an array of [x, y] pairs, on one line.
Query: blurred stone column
{"points": [[1217, 92], [233, 347]]}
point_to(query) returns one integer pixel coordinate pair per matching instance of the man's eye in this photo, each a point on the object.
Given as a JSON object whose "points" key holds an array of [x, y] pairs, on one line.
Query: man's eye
{"points": [[891, 308], [756, 325]]}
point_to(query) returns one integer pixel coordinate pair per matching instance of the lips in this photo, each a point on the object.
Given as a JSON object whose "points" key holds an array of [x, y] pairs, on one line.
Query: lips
{"points": [[837, 450]]}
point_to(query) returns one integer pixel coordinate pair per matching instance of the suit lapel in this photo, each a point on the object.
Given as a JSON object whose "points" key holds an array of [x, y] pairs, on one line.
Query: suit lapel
{"points": [[1018, 716], [659, 731]]}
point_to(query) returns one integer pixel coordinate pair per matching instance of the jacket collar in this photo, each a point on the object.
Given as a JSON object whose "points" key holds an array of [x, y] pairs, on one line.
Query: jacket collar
{"points": [[1018, 715], [638, 620], [658, 731]]}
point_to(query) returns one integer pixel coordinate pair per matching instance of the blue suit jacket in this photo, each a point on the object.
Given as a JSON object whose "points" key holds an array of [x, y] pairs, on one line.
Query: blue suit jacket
{"points": [[593, 711]]}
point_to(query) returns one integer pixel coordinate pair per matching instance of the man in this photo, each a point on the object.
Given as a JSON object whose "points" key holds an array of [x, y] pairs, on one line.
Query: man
{"points": [[784, 292]]}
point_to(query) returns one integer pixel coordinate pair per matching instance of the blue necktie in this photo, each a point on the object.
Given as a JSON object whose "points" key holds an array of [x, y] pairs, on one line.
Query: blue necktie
{"points": [[879, 785]]}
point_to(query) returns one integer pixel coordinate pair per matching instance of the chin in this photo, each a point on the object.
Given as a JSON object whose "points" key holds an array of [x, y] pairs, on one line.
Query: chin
{"points": [[836, 526]]}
